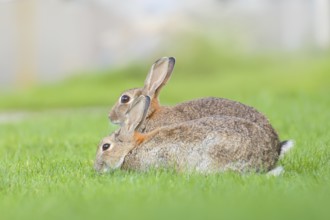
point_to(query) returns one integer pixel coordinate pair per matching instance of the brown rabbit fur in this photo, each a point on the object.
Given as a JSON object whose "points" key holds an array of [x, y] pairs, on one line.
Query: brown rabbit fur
{"points": [[210, 144], [159, 116]]}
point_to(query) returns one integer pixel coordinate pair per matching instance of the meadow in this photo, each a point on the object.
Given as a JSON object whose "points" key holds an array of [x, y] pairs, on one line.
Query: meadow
{"points": [[49, 134]]}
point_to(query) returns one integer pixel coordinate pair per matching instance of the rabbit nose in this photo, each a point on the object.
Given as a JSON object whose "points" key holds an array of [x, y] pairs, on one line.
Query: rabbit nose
{"points": [[113, 118], [98, 166]]}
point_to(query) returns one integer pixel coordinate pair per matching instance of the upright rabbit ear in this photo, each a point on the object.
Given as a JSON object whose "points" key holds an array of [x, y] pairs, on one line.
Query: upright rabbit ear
{"points": [[158, 76], [134, 117]]}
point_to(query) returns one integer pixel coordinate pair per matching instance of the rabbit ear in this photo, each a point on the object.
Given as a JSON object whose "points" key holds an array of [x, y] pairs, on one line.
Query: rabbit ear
{"points": [[134, 117], [158, 76]]}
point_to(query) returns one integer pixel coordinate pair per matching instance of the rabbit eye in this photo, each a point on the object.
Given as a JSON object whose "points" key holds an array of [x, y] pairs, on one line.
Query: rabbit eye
{"points": [[105, 147], [125, 99]]}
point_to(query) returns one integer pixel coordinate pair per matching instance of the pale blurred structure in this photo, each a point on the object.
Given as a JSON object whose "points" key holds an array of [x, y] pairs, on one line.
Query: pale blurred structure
{"points": [[45, 40]]}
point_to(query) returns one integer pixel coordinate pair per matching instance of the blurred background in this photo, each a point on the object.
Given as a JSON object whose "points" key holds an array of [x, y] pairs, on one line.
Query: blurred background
{"points": [[64, 63], [47, 42]]}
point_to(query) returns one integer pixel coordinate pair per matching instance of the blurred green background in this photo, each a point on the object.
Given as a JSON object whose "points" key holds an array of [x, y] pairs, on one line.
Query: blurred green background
{"points": [[65, 63]]}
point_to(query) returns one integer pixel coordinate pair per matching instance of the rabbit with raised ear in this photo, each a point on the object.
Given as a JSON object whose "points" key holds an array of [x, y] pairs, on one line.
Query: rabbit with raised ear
{"points": [[159, 74], [158, 116], [209, 144]]}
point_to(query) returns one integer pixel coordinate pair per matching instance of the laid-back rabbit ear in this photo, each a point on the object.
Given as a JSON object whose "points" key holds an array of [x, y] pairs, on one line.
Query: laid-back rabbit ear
{"points": [[158, 76], [134, 117], [138, 112]]}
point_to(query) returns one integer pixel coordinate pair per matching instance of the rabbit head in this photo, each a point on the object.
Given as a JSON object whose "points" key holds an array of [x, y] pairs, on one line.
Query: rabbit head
{"points": [[158, 76], [112, 150]]}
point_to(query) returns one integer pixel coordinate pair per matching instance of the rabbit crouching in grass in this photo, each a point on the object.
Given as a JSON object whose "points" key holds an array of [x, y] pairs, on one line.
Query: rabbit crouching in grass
{"points": [[206, 145], [159, 116]]}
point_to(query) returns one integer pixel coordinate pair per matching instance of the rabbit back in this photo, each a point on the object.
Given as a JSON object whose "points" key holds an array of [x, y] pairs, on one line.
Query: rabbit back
{"points": [[205, 107]]}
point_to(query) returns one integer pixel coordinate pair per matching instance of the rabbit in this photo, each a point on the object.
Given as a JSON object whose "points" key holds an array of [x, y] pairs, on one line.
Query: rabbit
{"points": [[158, 116], [205, 145]]}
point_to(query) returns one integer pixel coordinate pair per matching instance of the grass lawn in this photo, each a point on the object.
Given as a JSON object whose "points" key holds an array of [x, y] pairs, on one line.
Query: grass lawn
{"points": [[46, 155]]}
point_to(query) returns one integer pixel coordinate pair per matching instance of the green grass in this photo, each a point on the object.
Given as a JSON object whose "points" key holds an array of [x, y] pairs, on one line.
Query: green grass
{"points": [[46, 157]]}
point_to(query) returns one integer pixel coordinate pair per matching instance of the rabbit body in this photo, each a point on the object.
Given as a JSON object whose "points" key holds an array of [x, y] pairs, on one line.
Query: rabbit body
{"points": [[159, 116], [211, 144]]}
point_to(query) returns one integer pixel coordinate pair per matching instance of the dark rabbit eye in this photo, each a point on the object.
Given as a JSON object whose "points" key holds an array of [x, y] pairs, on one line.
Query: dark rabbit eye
{"points": [[105, 147], [125, 99]]}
